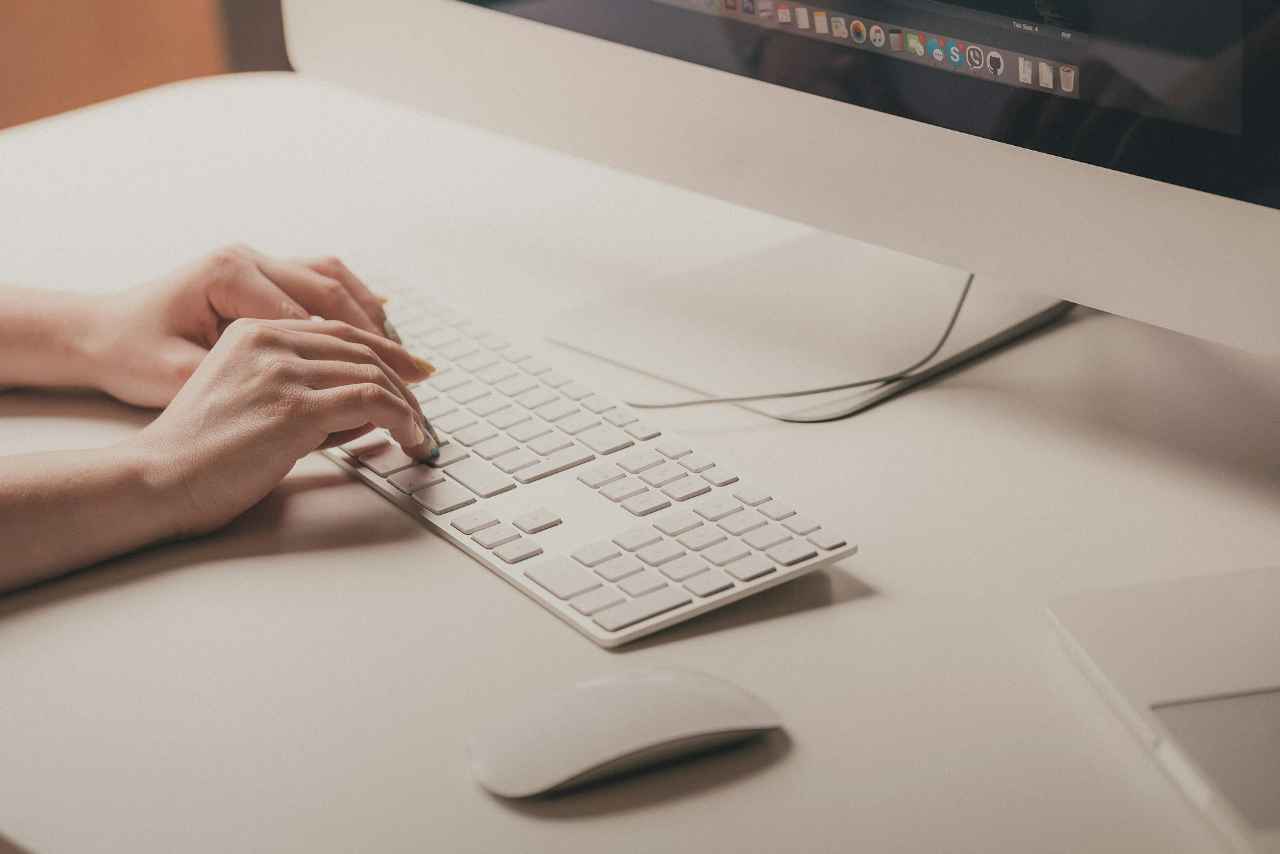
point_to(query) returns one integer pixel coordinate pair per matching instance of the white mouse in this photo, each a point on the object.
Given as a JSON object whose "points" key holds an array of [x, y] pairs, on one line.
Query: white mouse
{"points": [[613, 725]]}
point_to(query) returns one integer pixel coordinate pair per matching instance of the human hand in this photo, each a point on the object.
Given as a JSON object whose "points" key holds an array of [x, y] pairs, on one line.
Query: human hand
{"points": [[148, 340], [267, 394]]}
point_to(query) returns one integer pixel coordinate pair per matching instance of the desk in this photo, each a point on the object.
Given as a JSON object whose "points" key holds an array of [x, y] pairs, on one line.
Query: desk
{"points": [[305, 680]]}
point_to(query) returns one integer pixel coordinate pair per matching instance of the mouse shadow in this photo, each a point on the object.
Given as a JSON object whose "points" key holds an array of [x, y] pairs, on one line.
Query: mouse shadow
{"points": [[679, 779], [272, 527], [823, 588]]}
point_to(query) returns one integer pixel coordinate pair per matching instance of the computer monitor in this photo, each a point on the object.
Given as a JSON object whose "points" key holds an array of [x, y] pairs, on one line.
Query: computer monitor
{"points": [[1123, 155]]}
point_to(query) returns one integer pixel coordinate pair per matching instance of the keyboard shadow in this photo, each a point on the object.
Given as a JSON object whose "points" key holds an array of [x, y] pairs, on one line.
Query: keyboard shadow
{"points": [[823, 588], [272, 527], [671, 781]]}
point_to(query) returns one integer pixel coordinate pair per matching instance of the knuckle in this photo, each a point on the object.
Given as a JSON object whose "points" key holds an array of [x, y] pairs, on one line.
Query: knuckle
{"points": [[372, 374], [332, 292], [333, 262], [230, 259]]}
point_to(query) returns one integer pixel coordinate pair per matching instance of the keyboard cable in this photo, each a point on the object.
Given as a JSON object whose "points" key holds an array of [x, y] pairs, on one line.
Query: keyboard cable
{"points": [[887, 379]]}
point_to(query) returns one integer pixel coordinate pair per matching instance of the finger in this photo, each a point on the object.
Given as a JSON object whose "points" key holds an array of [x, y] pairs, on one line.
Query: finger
{"points": [[334, 268], [412, 368], [351, 407], [318, 294], [347, 362], [245, 291]]}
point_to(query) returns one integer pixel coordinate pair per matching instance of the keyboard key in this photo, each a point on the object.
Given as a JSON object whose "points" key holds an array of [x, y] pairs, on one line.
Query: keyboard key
{"points": [[708, 583], [634, 610], [448, 380], [528, 430], [766, 537], [549, 444], [594, 554], [554, 380], [497, 373], [443, 497], [513, 355], [696, 463], [535, 366], [621, 490], [643, 432], [620, 417], [726, 552], [637, 538], [475, 434], [776, 510], [454, 421], [716, 507], [642, 583], [597, 404], [575, 391], [518, 550], [673, 449], [457, 349], [619, 568], [686, 488], [367, 444], [493, 342], [557, 409], [646, 503], [491, 538], [516, 385], [749, 567], [439, 408], [478, 361], [556, 463], [449, 454], [640, 460], [822, 539], [480, 477], [743, 521], [469, 392], [599, 474], [604, 440], [801, 525], [412, 479], [535, 397], [684, 567], [791, 553], [578, 422], [596, 600], [516, 460], [536, 521], [507, 418], [494, 447], [717, 476], [489, 404], [676, 522], [702, 537], [751, 497], [663, 551], [562, 578], [477, 520], [663, 474], [387, 460]]}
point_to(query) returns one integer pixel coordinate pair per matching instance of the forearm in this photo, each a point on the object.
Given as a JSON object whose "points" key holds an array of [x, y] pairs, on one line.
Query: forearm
{"points": [[66, 510], [46, 339]]}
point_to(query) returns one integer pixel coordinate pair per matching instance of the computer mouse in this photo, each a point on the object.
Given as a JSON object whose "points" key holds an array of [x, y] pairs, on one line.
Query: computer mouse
{"points": [[613, 725]]}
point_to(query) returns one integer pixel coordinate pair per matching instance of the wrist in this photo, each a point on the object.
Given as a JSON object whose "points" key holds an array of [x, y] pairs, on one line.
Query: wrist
{"points": [[49, 339], [151, 476]]}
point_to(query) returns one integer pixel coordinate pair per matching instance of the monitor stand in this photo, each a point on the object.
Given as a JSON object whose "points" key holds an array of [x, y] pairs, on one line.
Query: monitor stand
{"points": [[813, 311]]}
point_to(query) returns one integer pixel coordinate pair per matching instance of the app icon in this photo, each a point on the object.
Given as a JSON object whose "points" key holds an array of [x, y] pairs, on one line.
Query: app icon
{"points": [[995, 64], [976, 57], [731, 5], [764, 8], [748, 7], [784, 13], [802, 17], [955, 53], [857, 31], [895, 40], [839, 27], [820, 23], [1068, 76], [1046, 75], [877, 35], [1026, 71], [935, 50], [915, 44]]}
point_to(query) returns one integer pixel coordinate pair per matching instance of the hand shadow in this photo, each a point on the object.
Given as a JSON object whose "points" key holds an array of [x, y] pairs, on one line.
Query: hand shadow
{"points": [[681, 779], [276, 525]]}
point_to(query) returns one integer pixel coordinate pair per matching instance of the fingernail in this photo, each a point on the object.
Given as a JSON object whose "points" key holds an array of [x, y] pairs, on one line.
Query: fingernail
{"points": [[424, 367], [381, 299], [391, 332], [419, 435], [434, 453]]}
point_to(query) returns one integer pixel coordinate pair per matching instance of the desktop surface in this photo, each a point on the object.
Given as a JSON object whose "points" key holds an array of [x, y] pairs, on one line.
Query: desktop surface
{"points": [[307, 679]]}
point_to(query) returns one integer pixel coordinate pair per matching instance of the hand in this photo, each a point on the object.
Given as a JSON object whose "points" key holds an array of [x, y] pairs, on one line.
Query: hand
{"points": [[147, 341], [267, 394]]}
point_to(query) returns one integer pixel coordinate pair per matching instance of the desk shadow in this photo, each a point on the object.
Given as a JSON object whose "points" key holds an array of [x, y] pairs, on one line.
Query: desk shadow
{"points": [[670, 781], [821, 589], [261, 531]]}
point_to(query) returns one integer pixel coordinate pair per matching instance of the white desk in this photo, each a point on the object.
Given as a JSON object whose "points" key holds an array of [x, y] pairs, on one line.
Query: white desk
{"points": [[304, 681]]}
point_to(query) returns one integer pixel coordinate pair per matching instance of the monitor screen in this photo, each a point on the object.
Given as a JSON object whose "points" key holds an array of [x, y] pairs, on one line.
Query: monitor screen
{"points": [[1179, 92]]}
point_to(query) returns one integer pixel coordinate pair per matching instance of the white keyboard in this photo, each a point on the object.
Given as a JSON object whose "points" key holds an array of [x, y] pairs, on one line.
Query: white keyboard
{"points": [[614, 526]]}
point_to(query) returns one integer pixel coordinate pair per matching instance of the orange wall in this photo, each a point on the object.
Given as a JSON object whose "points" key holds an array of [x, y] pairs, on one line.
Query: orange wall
{"points": [[56, 55]]}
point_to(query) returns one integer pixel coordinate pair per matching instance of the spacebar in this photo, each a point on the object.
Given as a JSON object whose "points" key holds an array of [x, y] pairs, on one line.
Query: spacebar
{"points": [[621, 616], [554, 464]]}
